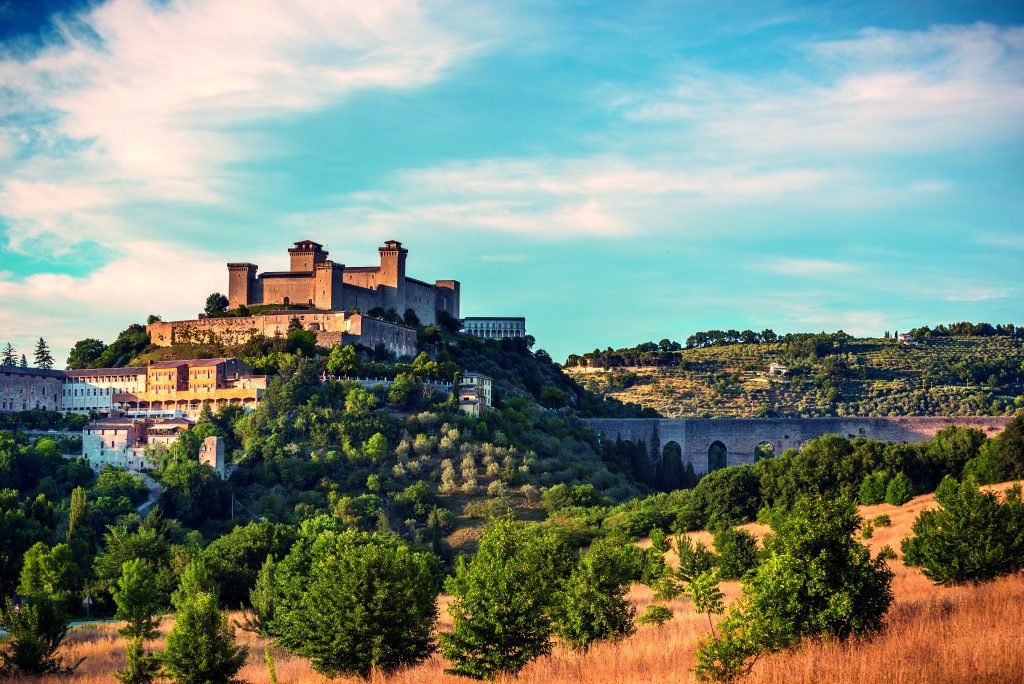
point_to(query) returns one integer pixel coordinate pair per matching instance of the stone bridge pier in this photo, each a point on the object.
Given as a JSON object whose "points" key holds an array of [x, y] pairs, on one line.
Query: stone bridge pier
{"points": [[711, 443]]}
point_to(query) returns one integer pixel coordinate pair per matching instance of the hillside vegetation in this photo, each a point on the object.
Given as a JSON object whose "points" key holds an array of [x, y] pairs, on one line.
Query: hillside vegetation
{"points": [[981, 628], [825, 375]]}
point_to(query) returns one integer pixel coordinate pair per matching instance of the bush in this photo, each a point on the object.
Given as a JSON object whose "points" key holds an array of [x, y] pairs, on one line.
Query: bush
{"points": [[973, 537], [655, 615], [899, 491], [593, 607], [873, 488], [352, 602], [814, 581], [737, 552]]}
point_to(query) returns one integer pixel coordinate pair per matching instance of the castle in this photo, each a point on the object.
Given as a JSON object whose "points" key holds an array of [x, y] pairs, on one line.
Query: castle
{"points": [[315, 281]]}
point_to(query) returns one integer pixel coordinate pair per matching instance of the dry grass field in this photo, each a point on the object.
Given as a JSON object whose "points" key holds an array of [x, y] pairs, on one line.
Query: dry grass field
{"points": [[964, 634]]}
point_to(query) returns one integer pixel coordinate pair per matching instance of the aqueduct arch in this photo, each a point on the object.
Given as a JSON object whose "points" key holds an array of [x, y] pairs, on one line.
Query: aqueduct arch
{"points": [[741, 436]]}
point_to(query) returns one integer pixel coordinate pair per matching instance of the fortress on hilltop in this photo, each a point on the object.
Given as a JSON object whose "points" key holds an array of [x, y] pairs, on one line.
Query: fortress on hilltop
{"points": [[342, 305], [317, 282]]}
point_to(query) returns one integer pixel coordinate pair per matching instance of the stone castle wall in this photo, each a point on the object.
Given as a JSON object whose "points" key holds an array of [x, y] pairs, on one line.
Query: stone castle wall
{"points": [[22, 389], [742, 435]]}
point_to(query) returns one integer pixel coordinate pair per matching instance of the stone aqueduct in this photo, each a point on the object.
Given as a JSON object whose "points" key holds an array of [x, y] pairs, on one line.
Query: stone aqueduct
{"points": [[701, 439]]}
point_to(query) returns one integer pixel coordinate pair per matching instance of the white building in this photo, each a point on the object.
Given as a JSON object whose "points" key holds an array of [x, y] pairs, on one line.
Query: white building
{"points": [[93, 389], [475, 393], [494, 327]]}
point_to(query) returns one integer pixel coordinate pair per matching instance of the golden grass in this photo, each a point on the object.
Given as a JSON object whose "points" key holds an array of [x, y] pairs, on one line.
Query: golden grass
{"points": [[933, 634]]}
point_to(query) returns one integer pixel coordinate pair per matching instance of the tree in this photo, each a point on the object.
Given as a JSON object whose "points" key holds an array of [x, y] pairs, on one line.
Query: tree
{"points": [[1002, 458], [194, 580], [737, 552], [24, 362], [79, 512], [593, 605], [262, 601], [343, 360], [815, 580], [141, 668], [972, 537], [153, 318], [201, 647], [35, 631], [216, 303], [137, 599], [872, 489], [85, 352], [9, 357], [43, 358], [352, 602], [48, 572], [502, 599], [899, 491], [411, 319]]}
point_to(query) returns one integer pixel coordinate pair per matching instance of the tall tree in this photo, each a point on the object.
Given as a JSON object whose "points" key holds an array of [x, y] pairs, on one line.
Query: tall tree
{"points": [[43, 358], [35, 631], [24, 362], [9, 356], [138, 599]]}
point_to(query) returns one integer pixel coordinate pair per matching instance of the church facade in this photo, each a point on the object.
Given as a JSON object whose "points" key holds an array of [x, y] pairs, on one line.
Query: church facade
{"points": [[314, 280]]}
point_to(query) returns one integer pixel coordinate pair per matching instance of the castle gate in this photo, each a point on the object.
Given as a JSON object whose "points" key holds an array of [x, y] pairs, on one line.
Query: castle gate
{"points": [[701, 440]]}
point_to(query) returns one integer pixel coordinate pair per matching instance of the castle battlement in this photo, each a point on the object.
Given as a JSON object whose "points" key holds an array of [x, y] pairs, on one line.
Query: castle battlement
{"points": [[316, 281]]}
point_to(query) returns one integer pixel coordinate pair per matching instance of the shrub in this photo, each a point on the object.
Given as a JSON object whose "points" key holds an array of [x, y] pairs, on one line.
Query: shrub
{"points": [[351, 602], [814, 581], [973, 537], [882, 520], [140, 668], [737, 552], [899, 491], [655, 615], [872, 489]]}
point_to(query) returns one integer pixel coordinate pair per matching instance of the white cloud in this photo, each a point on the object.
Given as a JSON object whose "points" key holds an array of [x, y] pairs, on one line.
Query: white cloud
{"points": [[885, 91], [977, 294], [142, 278], [559, 198], [137, 99]]}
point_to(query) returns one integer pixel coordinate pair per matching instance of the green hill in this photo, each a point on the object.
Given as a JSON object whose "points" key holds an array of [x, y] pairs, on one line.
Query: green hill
{"points": [[937, 373]]}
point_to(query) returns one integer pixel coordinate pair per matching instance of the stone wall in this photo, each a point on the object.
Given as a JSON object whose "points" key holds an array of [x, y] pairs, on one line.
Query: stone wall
{"points": [[740, 436], [22, 389]]}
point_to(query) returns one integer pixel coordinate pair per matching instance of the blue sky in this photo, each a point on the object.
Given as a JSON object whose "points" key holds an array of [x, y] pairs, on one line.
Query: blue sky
{"points": [[615, 172]]}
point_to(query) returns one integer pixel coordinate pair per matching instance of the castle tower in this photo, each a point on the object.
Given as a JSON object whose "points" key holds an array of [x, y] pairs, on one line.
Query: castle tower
{"points": [[241, 284], [328, 286], [391, 278], [305, 255]]}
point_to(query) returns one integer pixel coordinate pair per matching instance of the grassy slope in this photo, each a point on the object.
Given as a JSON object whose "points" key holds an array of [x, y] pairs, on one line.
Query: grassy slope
{"points": [[884, 379], [962, 634]]}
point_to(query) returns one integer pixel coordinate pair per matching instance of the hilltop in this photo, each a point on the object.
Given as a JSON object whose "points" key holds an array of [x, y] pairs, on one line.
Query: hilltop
{"points": [[929, 372]]}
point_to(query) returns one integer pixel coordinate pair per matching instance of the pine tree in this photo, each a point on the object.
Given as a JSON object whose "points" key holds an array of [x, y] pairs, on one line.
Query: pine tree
{"points": [[24, 362], [141, 667], [138, 599], [201, 648], [195, 579], [43, 358], [35, 630], [9, 356], [261, 599]]}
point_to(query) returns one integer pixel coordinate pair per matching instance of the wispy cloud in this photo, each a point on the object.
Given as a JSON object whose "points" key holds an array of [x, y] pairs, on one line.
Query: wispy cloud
{"points": [[881, 92], [815, 268], [559, 198], [504, 258], [145, 101]]}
